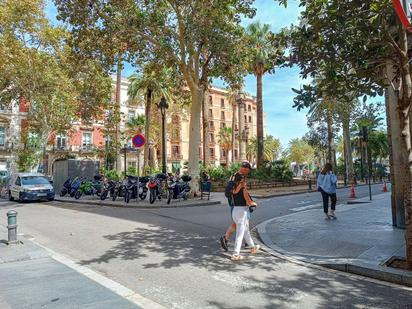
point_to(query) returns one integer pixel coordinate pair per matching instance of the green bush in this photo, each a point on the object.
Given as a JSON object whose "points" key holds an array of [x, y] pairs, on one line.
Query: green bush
{"points": [[111, 174], [274, 171]]}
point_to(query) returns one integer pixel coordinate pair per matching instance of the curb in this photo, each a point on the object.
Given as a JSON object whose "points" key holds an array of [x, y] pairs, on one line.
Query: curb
{"points": [[349, 266], [308, 191], [136, 205]]}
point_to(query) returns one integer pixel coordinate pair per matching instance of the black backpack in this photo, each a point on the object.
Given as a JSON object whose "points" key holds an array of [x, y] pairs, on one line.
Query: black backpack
{"points": [[229, 187]]}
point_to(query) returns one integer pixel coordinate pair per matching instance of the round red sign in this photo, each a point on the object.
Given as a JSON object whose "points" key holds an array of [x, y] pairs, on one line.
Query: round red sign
{"points": [[138, 140], [404, 9]]}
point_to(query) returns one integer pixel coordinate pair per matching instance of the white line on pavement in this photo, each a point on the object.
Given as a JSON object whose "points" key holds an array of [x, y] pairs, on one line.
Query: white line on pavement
{"points": [[110, 284]]}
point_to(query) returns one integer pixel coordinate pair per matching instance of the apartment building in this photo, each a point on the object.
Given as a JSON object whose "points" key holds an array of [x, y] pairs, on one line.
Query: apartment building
{"points": [[86, 141]]}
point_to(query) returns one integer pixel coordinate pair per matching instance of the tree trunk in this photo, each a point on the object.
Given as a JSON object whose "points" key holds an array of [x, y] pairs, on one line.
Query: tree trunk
{"points": [[233, 130], [348, 149], [242, 144], [259, 125], [117, 99], [396, 157], [329, 123], [147, 112], [205, 126], [194, 136], [405, 126]]}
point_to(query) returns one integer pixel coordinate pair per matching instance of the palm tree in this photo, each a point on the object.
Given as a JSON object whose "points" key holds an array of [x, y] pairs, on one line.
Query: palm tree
{"points": [[136, 124], [153, 82], [225, 141], [262, 62]]}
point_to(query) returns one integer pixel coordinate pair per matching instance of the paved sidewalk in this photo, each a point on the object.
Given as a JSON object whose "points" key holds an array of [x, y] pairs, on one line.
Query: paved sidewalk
{"points": [[31, 278], [360, 241]]}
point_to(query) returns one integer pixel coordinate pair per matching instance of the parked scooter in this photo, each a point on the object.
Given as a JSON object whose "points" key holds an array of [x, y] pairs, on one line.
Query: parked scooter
{"points": [[155, 187], [66, 186], [75, 185], [108, 188], [88, 187], [178, 189]]}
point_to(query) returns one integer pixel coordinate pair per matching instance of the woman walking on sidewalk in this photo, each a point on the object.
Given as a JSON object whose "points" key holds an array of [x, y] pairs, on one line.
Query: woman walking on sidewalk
{"points": [[241, 204], [327, 187]]}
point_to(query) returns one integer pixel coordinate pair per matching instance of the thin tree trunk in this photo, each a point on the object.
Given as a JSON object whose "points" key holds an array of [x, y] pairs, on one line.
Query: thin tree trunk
{"points": [[396, 157], [348, 149], [233, 130], [205, 130], [242, 143], [117, 99], [194, 136], [329, 123], [259, 118], [147, 111]]}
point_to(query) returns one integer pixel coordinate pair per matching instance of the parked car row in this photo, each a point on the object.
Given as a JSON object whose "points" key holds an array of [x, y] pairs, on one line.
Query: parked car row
{"points": [[157, 187]]}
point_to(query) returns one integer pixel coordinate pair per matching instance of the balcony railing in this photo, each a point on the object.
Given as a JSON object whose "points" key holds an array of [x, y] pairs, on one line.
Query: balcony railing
{"points": [[175, 157]]}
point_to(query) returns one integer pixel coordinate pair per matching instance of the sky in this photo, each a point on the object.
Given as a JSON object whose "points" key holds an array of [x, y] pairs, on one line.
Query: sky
{"points": [[282, 121]]}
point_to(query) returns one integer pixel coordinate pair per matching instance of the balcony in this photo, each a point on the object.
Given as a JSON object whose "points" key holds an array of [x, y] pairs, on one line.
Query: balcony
{"points": [[87, 148], [62, 148]]}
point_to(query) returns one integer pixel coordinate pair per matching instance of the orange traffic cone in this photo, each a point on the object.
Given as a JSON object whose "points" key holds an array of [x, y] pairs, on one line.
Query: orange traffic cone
{"points": [[385, 189], [352, 192]]}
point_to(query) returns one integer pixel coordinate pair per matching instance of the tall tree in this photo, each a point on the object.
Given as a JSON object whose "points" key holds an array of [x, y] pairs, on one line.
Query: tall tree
{"points": [[225, 141], [264, 56]]}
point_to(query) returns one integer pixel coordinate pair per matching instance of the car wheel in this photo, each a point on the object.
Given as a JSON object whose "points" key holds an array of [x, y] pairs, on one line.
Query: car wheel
{"points": [[20, 200], [11, 198]]}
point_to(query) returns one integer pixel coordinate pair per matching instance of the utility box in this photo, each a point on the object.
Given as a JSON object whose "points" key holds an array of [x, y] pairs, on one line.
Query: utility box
{"points": [[63, 169]]}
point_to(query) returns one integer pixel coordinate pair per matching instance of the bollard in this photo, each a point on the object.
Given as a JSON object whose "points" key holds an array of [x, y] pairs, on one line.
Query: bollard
{"points": [[12, 227], [310, 184]]}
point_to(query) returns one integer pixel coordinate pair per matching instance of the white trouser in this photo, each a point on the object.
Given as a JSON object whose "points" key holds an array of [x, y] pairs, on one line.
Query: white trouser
{"points": [[239, 216]]}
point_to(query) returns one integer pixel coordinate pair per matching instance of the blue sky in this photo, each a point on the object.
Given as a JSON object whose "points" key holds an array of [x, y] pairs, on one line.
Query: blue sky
{"points": [[282, 121]]}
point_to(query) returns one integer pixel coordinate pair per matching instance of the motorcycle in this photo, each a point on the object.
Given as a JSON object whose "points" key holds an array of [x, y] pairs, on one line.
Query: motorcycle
{"points": [[135, 188], [108, 188], [75, 185], [155, 187], [178, 189], [119, 190], [88, 187], [66, 186]]}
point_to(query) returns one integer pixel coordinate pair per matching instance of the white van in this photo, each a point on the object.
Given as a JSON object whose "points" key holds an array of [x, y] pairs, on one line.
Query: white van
{"points": [[30, 187]]}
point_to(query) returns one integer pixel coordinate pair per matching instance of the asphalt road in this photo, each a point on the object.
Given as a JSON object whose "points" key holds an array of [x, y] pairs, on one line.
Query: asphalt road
{"points": [[172, 256]]}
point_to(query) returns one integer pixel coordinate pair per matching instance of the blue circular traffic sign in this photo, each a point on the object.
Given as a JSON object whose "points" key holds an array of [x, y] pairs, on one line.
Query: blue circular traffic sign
{"points": [[138, 140]]}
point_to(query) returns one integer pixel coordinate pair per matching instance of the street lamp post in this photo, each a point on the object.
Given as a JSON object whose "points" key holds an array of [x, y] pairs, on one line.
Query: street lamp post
{"points": [[163, 106], [125, 163], [365, 140]]}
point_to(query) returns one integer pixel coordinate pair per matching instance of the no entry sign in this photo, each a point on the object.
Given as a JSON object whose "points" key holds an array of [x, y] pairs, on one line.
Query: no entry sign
{"points": [[138, 140], [404, 10]]}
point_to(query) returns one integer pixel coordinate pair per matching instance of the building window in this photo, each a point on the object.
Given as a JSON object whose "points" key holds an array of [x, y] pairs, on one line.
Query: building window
{"points": [[211, 125], [211, 138], [87, 140], [222, 115], [212, 152], [222, 103], [249, 108], [235, 127], [236, 155], [210, 100], [245, 118], [223, 152], [250, 118], [109, 141], [175, 151], [131, 114], [222, 125], [210, 113], [2, 136], [61, 141]]}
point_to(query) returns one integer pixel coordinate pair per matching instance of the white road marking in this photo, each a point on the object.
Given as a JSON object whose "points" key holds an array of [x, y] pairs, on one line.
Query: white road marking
{"points": [[306, 207], [110, 284]]}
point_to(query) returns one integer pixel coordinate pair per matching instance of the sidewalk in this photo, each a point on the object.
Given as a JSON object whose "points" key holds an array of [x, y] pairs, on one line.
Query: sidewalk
{"points": [[360, 241], [215, 199], [31, 278]]}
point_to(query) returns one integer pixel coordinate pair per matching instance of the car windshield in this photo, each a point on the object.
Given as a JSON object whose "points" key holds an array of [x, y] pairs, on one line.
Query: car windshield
{"points": [[34, 180]]}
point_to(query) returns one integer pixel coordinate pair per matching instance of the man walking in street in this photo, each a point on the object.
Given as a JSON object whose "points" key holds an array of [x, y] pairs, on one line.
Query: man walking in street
{"points": [[244, 170]]}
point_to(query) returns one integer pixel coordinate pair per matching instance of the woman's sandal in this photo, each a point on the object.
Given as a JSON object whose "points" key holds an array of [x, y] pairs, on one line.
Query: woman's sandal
{"points": [[255, 249], [237, 257]]}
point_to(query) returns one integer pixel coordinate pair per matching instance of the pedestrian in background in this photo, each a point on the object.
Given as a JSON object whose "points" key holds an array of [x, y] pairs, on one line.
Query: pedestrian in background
{"points": [[240, 216], [327, 186]]}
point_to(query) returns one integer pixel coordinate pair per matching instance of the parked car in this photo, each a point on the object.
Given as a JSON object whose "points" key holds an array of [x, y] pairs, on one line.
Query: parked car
{"points": [[30, 187]]}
